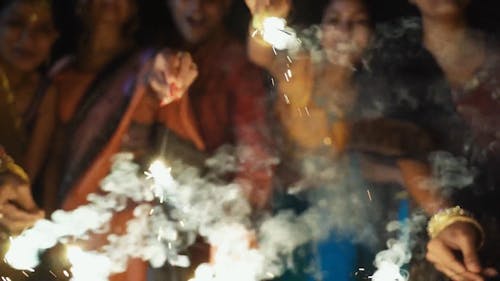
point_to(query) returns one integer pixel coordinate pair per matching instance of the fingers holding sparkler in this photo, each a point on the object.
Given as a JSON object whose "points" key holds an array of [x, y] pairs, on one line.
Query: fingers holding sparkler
{"points": [[18, 209], [15, 219], [171, 75]]}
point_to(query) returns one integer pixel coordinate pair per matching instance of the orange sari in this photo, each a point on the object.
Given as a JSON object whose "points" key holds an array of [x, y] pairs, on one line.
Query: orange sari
{"points": [[88, 111]]}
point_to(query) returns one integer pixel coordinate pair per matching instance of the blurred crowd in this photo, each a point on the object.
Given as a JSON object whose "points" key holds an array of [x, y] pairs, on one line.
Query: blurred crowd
{"points": [[394, 113]]}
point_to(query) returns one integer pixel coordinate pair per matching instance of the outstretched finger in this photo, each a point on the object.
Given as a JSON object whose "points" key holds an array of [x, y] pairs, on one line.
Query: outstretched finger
{"points": [[16, 224], [24, 198], [455, 276], [14, 227], [444, 256], [448, 272], [171, 66], [467, 245], [185, 71], [12, 212]]}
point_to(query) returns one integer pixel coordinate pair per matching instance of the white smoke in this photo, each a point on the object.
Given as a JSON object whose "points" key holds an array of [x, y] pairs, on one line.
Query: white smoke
{"points": [[390, 262], [192, 205], [451, 172], [124, 184]]}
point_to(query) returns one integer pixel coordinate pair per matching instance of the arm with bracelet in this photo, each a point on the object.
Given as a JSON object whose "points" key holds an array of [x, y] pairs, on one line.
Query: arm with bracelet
{"points": [[259, 51], [455, 235], [455, 230]]}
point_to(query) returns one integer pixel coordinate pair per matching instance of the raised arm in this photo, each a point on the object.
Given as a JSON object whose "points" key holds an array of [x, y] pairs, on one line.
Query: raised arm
{"points": [[260, 52]]}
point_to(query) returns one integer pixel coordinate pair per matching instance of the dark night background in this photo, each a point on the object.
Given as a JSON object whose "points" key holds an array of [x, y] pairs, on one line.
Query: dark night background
{"points": [[157, 29]]}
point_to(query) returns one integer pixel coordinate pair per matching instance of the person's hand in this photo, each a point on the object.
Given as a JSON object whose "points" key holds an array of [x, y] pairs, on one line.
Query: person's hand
{"points": [[269, 8], [459, 237], [171, 75], [18, 210]]}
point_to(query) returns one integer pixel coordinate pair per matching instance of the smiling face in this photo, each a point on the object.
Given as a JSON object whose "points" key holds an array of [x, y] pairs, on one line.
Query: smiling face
{"points": [[442, 8], [346, 31], [27, 34], [196, 20]]}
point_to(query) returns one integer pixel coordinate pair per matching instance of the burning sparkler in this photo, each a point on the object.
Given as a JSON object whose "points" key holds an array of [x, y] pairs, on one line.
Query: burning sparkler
{"points": [[123, 184], [276, 32], [87, 266], [191, 206]]}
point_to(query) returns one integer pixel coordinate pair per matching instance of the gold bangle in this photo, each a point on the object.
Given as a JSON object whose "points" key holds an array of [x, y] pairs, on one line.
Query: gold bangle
{"points": [[257, 21], [447, 217], [7, 165]]}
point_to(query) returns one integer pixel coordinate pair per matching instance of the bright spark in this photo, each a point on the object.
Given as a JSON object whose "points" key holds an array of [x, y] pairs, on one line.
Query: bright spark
{"points": [[276, 33]]}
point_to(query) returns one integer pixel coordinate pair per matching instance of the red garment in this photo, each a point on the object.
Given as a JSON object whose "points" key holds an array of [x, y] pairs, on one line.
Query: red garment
{"points": [[226, 104], [73, 85]]}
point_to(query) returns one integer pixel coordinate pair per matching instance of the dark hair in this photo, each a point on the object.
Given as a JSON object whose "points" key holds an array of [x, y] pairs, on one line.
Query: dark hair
{"points": [[6, 3], [305, 13], [151, 23], [236, 21], [485, 15], [311, 12], [129, 29]]}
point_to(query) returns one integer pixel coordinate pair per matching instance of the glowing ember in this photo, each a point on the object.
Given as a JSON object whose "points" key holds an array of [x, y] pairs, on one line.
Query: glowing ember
{"points": [[163, 180], [24, 255], [234, 259], [24, 250], [388, 272], [87, 265], [197, 206]]}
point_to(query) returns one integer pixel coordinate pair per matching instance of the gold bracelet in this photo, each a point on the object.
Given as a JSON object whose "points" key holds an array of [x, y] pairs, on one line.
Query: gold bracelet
{"points": [[7, 165], [257, 21], [447, 217]]}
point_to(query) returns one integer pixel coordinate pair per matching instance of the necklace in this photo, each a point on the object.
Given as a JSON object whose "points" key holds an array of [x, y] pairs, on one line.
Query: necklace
{"points": [[10, 99], [6, 86]]}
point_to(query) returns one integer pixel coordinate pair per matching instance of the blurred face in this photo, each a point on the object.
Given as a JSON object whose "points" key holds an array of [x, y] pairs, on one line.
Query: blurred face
{"points": [[441, 8], [346, 31], [116, 12], [196, 20], [26, 34]]}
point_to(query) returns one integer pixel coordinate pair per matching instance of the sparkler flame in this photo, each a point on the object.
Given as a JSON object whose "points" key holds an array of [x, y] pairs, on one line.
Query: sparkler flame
{"points": [[164, 183], [388, 271], [87, 266], [235, 258], [196, 206], [278, 34]]}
